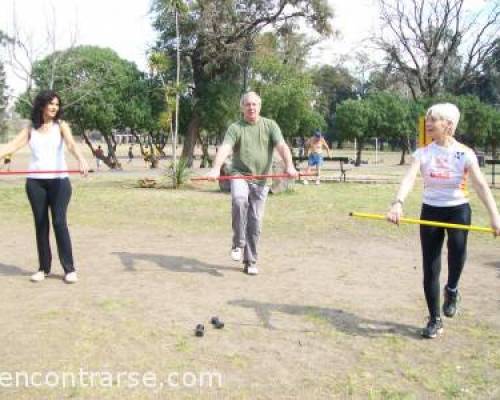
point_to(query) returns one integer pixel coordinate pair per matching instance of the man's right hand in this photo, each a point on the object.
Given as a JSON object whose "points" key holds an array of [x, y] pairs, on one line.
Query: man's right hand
{"points": [[213, 174]]}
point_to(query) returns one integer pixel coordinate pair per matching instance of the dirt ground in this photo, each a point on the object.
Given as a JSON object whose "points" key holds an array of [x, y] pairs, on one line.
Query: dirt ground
{"points": [[336, 315]]}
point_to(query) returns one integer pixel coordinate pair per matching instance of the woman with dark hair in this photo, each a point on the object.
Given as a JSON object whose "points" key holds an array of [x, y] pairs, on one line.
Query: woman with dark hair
{"points": [[47, 136]]}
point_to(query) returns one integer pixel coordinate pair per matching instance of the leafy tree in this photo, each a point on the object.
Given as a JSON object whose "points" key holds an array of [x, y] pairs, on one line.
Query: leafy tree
{"points": [[218, 36], [287, 93], [101, 91], [353, 118], [475, 117], [333, 85], [393, 117]]}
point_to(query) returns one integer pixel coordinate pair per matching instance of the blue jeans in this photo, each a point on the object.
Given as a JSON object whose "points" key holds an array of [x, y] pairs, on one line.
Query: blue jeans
{"points": [[315, 159]]}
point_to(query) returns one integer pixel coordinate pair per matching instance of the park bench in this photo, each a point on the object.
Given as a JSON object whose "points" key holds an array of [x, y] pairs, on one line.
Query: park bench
{"points": [[344, 165], [492, 163]]}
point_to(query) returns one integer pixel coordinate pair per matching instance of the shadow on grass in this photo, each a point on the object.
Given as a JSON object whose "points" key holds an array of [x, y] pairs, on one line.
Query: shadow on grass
{"points": [[12, 270], [172, 263], [343, 321]]}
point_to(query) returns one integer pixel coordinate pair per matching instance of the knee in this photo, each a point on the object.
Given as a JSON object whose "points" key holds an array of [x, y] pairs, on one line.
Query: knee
{"points": [[240, 202], [59, 223]]}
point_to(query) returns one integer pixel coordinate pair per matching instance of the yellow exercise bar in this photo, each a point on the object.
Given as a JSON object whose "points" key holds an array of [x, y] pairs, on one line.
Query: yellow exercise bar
{"points": [[424, 222]]}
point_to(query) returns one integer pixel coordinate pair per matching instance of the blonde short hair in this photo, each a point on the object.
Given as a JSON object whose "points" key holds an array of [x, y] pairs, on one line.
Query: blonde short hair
{"points": [[247, 95], [445, 111]]}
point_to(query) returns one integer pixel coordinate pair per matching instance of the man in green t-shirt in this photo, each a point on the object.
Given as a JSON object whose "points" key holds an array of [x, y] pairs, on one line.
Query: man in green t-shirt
{"points": [[251, 141]]}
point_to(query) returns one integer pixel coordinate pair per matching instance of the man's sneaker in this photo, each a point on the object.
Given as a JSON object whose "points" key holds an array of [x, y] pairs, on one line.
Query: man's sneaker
{"points": [[251, 269], [236, 254], [305, 182], [38, 276], [71, 278], [451, 300], [433, 329], [318, 182]]}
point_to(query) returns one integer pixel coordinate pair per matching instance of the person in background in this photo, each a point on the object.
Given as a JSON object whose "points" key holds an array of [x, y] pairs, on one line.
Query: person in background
{"points": [[314, 149]]}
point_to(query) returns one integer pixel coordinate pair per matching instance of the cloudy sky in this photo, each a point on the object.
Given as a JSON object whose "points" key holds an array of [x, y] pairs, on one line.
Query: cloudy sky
{"points": [[125, 26]]}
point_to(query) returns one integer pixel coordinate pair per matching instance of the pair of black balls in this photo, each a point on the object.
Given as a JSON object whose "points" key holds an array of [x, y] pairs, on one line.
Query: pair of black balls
{"points": [[215, 321]]}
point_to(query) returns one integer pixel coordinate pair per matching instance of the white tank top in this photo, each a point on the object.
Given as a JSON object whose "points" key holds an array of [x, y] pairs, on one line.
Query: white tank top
{"points": [[47, 153], [445, 171]]}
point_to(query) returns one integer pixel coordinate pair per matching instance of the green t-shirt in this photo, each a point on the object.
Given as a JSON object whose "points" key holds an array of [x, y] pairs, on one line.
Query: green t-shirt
{"points": [[253, 145]]}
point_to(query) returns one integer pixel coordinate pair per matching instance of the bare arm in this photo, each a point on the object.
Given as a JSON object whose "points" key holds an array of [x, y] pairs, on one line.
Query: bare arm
{"points": [[73, 148], [483, 191], [326, 147], [286, 155], [396, 210], [15, 144], [223, 152]]}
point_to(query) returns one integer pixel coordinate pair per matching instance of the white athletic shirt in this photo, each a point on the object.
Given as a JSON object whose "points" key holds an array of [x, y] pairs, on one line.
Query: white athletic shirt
{"points": [[445, 171], [47, 153]]}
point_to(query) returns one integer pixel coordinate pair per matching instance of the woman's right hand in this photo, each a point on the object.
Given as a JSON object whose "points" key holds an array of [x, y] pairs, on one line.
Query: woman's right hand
{"points": [[395, 213], [83, 166]]}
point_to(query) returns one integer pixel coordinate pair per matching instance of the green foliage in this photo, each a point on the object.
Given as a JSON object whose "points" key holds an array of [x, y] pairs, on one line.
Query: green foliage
{"points": [[179, 173], [476, 118], [287, 96], [100, 90], [217, 42], [334, 85], [218, 106], [352, 119]]}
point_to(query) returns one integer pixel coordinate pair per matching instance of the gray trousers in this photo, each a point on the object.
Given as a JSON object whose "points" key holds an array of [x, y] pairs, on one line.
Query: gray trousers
{"points": [[248, 204]]}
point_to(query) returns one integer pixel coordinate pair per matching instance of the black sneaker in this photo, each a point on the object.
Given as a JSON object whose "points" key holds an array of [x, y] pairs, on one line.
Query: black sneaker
{"points": [[433, 329], [450, 304]]}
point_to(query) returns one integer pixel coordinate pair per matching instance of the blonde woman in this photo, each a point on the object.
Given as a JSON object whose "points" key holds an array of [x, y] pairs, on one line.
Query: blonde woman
{"points": [[445, 165]]}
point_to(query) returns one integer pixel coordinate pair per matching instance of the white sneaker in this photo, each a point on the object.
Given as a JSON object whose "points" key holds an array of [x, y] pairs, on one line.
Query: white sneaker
{"points": [[38, 276], [71, 278], [251, 270], [318, 182], [236, 254], [305, 182]]}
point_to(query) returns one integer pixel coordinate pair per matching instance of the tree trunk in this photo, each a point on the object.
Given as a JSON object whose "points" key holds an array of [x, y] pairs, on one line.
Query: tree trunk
{"points": [[206, 162], [191, 137], [110, 160], [405, 148], [359, 150]]}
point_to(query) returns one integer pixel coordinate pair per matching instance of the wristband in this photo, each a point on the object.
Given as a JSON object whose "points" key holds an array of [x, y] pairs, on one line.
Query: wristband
{"points": [[397, 201]]}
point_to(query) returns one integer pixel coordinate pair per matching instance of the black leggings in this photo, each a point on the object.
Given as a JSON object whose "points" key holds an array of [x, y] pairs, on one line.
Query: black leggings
{"points": [[54, 194], [431, 239]]}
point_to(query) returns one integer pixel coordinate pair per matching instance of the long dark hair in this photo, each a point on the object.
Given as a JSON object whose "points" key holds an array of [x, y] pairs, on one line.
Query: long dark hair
{"points": [[41, 100]]}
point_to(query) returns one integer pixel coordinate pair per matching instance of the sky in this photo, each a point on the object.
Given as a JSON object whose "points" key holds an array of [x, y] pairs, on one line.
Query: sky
{"points": [[125, 26]]}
